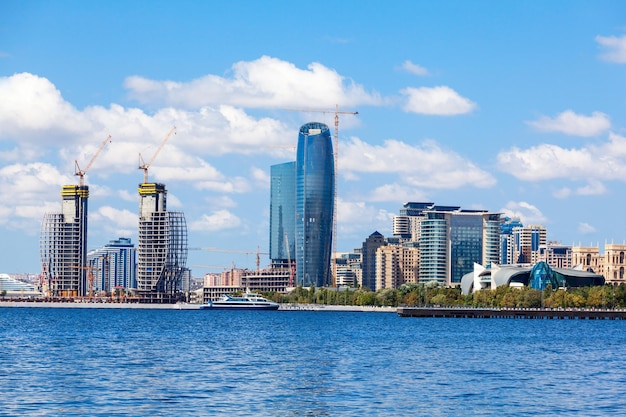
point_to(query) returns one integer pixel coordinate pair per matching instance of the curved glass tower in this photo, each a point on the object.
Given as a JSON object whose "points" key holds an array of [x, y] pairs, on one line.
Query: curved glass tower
{"points": [[315, 192]]}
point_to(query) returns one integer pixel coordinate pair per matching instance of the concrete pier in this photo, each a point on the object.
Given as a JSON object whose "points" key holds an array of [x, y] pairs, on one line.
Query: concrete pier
{"points": [[511, 313]]}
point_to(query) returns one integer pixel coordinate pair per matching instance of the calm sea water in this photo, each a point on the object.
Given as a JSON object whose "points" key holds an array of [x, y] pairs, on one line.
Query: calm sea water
{"points": [[68, 362]]}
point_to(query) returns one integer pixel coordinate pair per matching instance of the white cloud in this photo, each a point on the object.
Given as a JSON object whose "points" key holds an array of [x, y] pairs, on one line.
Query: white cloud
{"points": [[585, 228], [115, 218], [426, 165], [526, 212], [441, 100], [219, 220], [266, 82], [33, 110], [615, 48], [574, 124], [603, 162], [358, 219], [593, 188], [260, 177], [562, 192], [416, 69], [396, 192]]}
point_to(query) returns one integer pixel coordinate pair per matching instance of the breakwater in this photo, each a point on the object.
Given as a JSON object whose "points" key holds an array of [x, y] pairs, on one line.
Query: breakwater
{"points": [[512, 313]]}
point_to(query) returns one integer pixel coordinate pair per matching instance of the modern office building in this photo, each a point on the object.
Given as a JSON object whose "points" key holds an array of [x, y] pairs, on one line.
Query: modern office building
{"points": [[63, 245], [452, 240], [407, 224], [368, 259], [315, 188], [113, 266], [162, 247], [527, 240], [507, 242], [283, 214], [556, 255], [396, 265]]}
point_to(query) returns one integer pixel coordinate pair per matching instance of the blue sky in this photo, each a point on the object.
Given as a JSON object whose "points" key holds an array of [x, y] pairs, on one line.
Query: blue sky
{"points": [[513, 107]]}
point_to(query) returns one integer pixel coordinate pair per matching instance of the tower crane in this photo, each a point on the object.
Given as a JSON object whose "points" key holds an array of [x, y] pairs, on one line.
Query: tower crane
{"points": [[336, 152], [90, 276], [258, 253], [145, 166], [82, 172]]}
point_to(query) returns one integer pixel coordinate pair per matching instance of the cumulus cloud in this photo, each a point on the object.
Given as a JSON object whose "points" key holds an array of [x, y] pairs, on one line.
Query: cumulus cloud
{"points": [[606, 161], [574, 124], [526, 212], [442, 101], [357, 218], [219, 220], [585, 228], [115, 218], [415, 69], [426, 165], [260, 177], [33, 110], [266, 82], [615, 47], [396, 192]]}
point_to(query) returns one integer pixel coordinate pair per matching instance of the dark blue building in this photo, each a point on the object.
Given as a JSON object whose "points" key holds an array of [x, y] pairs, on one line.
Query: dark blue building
{"points": [[315, 194], [283, 213]]}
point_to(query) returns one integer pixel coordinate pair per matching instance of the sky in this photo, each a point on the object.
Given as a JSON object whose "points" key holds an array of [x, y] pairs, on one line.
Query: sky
{"points": [[513, 107]]}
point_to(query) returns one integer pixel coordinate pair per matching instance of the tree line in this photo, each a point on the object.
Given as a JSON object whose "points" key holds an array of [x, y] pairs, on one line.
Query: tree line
{"points": [[413, 294]]}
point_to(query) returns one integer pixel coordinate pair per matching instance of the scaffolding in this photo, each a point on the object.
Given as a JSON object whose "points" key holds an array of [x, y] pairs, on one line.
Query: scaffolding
{"points": [[63, 244], [162, 247]]}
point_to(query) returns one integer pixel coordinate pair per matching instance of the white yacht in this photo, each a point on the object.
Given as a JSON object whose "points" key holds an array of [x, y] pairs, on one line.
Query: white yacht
{"points": [[247, 301]]}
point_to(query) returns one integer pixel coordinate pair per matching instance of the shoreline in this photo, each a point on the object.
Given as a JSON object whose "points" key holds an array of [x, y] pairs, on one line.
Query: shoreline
{"points": [[185, 306]]}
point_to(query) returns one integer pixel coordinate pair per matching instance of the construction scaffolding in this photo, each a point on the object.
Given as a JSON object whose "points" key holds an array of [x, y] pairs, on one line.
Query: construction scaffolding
{"points": [[162, 247], [63, 244]]}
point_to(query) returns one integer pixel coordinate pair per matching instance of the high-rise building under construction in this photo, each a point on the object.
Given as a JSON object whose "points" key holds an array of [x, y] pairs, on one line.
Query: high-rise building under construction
{"points": [[162, 246], [63, 245]]}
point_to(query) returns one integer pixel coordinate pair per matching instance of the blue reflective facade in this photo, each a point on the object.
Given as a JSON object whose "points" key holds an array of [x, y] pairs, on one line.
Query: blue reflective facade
{"points": [[283, 212], [315, 189]]}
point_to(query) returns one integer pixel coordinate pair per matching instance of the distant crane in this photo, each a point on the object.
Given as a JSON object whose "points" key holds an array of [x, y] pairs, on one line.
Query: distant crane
{"points": [[145, 166], [258, 254], [90, 276], [80, 172], [291, 283], [336, 152]]}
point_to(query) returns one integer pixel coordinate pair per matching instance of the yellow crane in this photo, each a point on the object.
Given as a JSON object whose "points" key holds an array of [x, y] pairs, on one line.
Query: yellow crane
{"points": [[336, 152], [82, 172], [144, 166]]}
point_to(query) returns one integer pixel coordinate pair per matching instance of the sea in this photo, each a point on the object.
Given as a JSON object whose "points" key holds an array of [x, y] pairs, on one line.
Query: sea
{"points": [[128, 362]]}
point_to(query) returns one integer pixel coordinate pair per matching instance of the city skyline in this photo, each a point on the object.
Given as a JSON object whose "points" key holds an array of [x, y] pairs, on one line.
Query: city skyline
{"points": [[511, 108]]}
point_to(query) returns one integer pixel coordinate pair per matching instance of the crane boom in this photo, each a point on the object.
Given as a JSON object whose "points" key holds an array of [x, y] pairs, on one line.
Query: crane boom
{"points": [[80, 172], [145, 166]]}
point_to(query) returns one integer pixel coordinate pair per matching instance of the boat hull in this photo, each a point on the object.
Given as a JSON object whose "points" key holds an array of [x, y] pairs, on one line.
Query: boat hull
{"points": [[216, 306]]}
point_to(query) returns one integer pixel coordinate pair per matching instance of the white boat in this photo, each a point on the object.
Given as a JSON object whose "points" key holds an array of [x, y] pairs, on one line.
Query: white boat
{"points": [[248, 301]]}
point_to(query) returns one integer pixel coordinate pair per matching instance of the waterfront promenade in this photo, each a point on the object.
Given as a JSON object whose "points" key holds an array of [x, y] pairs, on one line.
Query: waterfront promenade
{"points": [[183, 306], [512, 313]]}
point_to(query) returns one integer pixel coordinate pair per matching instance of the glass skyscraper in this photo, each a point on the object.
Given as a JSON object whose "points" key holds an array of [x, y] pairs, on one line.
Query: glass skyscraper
{"points": [[452, 240], [315, 193], [283, 213]]}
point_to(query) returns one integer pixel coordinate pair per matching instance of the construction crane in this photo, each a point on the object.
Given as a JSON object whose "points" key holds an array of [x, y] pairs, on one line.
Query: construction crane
{"points": [[82, 172], [258, 254], [336, 152], [144, 166], [90, 277], [291, 271]]}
